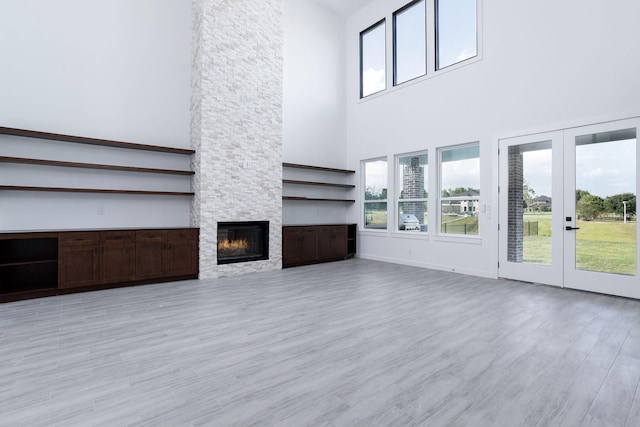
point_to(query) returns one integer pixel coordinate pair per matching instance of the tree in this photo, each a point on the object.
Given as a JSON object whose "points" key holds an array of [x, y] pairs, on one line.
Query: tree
{"points": [[528, 194], [580, 194], [371, 193], [614, 204], [590, 207]]}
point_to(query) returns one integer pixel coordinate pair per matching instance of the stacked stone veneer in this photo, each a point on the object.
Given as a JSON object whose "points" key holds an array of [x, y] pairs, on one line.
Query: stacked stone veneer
{"points": [[236, 124], [515, 223]]}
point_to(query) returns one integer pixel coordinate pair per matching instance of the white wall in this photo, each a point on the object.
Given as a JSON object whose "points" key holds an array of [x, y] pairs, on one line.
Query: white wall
{"points": [[114, 70], [314, 122], [314, 110], [545, 65]]}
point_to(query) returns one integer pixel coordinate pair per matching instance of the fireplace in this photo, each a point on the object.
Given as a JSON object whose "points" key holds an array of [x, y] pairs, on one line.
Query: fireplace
{"points": [[243, 241]]}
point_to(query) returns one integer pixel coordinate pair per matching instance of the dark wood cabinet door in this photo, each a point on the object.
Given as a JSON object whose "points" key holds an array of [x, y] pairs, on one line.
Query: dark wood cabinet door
{"points": [[309, 244], [291, 246], [78, 259], [299, 246], [182, 253], [117, 256], [332, 242], [150, 253]]}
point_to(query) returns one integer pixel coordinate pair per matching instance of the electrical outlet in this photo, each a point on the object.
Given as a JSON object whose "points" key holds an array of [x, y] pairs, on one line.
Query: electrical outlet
{"points": [[100, 210]]}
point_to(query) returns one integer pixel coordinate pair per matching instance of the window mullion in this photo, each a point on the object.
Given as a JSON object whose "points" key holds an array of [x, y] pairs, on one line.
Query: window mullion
{"points": [[431, 37]]}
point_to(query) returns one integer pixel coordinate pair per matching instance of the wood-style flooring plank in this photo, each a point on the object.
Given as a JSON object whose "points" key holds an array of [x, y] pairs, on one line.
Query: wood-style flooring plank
{"points": [[343, 344]]}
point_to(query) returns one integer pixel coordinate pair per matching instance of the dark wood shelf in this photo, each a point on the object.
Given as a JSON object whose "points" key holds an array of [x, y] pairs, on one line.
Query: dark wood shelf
{"points": [[40, 261], [312, 199], [12, 293], [92, 166], [325, 184], [91, 141], [93, 190], [317, 168]]}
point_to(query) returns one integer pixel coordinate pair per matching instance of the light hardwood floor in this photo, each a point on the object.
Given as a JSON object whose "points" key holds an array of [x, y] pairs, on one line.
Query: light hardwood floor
{"points": [[354, 343]]}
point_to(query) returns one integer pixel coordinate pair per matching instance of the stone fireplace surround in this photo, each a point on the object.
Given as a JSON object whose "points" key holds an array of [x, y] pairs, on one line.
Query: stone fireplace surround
{"points": [[236, 124]]}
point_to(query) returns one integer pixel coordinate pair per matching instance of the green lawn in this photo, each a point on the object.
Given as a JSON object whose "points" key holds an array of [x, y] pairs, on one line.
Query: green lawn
{"points": [[607, 246]]}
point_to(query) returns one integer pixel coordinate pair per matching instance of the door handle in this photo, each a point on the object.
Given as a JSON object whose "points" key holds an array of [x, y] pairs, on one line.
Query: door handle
{"points": [[569, 228]]}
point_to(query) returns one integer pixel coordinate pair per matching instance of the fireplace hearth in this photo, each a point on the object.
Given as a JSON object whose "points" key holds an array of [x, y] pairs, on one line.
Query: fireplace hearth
{"points": [[243, 241]]}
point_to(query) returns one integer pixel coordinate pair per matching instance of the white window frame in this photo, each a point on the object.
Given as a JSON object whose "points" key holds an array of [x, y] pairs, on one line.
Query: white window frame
{"points": [[440, 198], [383, 24], [432, 70], [436, 45], [363, 169], [398, 191], [394, 22]]}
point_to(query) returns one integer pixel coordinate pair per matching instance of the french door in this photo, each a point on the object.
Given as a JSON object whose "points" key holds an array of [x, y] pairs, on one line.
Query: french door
{"points": [[568, 208]]}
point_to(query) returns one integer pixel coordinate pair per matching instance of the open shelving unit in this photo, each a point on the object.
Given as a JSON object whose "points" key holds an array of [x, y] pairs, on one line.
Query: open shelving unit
{"points": [[344, 186], [29, 266], [98, 142]]}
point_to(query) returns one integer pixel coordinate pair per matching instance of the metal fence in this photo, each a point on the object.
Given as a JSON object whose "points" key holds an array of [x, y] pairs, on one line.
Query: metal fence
{"points": [[530, 228], [453, 228]]}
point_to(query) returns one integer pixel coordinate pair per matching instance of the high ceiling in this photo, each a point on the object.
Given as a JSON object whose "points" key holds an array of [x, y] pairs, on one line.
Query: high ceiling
{"points": [[345, 7]]}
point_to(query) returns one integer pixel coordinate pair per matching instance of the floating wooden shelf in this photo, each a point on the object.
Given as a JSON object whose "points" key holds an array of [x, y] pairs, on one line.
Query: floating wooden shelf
{"points": [[92, 166], [13, 264], [312, 199], [325, 184], [93, 190], [317, 168], [316, 183], [91, 141]]}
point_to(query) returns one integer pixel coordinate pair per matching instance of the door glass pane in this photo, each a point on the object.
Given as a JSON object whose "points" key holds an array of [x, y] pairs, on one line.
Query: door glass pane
{"points": [[530, 204], [606, 202]]}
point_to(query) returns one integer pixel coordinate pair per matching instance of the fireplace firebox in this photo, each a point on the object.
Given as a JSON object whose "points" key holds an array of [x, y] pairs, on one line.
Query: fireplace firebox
{"points": [[243, 241]]}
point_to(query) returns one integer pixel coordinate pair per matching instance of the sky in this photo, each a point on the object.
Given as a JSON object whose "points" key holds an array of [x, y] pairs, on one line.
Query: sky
{"points": [[607, 168], [376, 175], [602, 169]]}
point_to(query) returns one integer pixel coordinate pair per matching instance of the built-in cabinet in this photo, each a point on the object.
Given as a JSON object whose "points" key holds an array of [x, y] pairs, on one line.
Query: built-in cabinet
{"points": [[41, 264], [161, 253], [314, 243], [310, 244], [94, 258]]}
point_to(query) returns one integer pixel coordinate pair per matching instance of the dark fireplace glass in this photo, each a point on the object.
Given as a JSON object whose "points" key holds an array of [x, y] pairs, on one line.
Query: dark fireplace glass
{"points": [[243, 241]]}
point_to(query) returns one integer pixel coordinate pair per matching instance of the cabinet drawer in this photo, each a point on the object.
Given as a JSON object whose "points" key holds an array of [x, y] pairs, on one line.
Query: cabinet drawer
{"points": [[186, 234], [78, 238], [117, 237], [151, 236]]}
